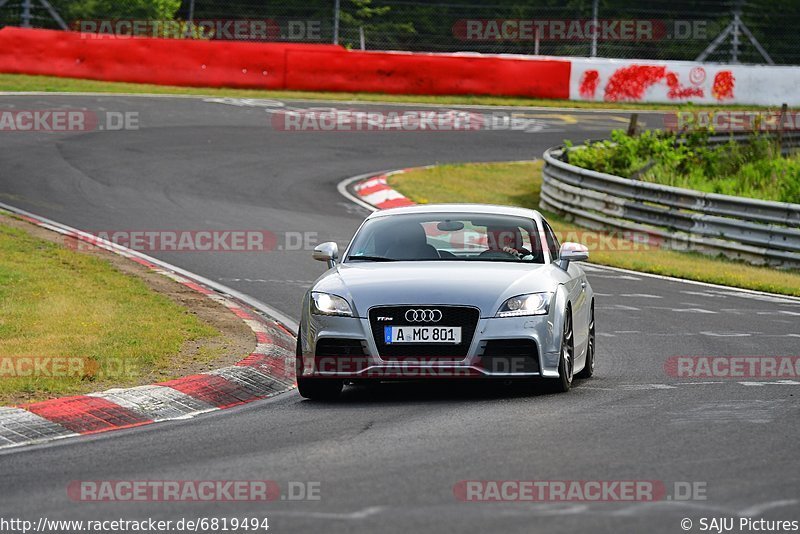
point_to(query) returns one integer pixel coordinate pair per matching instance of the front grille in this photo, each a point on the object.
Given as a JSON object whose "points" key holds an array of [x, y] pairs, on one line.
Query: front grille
{"points": [[510, 356], [464, 316]]}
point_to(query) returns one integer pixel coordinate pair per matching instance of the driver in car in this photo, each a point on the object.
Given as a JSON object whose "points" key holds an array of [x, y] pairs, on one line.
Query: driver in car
{"points": [[508, 240]]}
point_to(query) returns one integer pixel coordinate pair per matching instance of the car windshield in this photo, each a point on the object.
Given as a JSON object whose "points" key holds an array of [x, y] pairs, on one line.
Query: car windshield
{"points": [[447, 237]]}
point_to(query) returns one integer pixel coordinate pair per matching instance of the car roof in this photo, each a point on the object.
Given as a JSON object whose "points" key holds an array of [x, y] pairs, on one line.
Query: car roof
{"points": [[484, 209]]}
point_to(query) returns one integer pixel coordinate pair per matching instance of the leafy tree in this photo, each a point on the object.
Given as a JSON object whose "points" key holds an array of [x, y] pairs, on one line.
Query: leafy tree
{"points": [[72, 10], [355, 14]]}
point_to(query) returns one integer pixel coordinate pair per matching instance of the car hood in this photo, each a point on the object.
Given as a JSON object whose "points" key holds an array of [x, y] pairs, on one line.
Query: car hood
{"points": [[482, 284]]}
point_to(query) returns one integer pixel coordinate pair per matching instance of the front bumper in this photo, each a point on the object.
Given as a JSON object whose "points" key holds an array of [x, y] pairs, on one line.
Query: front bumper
{"points": [[537, 330]]}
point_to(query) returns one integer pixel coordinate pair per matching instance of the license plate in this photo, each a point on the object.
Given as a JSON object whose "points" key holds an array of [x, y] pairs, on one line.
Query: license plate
{"points": [[422, 334]]}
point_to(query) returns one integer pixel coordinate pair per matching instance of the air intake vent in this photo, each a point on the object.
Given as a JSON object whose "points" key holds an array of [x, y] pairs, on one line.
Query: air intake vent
{"points": [[332, 347], [510, 356]]}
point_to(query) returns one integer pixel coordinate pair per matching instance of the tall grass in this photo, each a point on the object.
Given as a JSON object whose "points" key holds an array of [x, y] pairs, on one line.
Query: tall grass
{"points": [[753, 169]]}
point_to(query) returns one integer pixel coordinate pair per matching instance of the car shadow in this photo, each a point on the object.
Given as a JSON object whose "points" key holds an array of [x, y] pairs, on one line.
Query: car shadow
{"points": [[432, 391]]}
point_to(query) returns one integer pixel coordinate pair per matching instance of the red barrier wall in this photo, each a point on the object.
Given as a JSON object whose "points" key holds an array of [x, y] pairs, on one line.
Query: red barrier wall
{"points": [[429, 74], [275, 66], [144, 60]]}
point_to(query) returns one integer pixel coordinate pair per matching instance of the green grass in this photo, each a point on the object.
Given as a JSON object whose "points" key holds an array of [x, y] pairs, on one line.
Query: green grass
{"points": [[518, 184], [56, 302], [21, 82]]}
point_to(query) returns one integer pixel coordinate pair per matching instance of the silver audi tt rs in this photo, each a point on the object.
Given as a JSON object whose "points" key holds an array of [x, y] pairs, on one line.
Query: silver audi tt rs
{"points": [[447, 291]]}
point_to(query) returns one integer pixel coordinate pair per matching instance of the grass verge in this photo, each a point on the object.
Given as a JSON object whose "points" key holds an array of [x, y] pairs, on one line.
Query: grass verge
{"points": [[518, 184], [22, 82], [88, 325]]}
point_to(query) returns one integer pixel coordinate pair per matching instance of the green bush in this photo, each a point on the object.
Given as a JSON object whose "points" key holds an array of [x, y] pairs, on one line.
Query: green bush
{"points": [[753, 169]]}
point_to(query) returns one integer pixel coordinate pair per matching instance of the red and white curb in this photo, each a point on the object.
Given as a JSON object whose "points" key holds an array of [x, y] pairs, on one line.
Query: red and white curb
{"points": [[376, 192], [269, 370]]}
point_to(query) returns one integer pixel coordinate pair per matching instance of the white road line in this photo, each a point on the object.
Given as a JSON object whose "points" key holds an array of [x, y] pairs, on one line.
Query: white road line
{"points": [[772, 383], [725, 334], [645, 387], [677, 385], [357, 515], [729, 411], [728, 290], [759, 509], [704, 294]]}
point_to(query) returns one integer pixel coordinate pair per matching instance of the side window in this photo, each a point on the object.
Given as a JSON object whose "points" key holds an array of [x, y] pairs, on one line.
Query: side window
{"points": [[552, 241]]}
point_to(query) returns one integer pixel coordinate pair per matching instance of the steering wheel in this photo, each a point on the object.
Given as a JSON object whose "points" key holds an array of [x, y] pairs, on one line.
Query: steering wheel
{"points": [[497, 254]]}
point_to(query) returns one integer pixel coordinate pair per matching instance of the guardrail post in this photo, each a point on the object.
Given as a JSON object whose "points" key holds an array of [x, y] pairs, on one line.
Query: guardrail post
{"points": [[633, 124]]}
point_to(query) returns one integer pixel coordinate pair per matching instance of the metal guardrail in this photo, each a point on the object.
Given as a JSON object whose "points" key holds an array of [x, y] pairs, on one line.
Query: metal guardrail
{"points": [[758, 231]]}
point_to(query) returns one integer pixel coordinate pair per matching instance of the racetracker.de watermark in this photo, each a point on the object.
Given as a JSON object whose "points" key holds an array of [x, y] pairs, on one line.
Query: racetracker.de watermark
{"points": [[192, 491], [614, 241], [531, 30], [733, 121], [347, 120], [733, 367], [205, 29], [65, 367], [66, 120], [196, 240], [418, 366], [577, 491]]}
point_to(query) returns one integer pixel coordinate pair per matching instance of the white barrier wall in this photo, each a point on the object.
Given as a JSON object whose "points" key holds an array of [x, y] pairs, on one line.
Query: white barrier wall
{"points": [[618, 80]]}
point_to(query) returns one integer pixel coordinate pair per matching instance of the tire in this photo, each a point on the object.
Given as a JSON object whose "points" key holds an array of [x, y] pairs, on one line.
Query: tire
{"points": [[588, 370], [566, 361], [319, 388], [298, 355], [314, 388]]}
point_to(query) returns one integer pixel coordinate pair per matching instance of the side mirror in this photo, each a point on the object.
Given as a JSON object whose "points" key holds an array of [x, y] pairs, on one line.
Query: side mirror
{"points": [[572, 252], [328, 252]]}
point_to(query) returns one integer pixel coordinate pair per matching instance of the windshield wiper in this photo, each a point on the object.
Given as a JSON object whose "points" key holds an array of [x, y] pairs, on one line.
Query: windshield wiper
{"points": [[369, 258]]}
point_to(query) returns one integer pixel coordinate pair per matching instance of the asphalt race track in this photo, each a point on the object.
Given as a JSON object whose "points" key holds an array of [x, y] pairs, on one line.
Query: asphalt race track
{"points": [[387, 459]]}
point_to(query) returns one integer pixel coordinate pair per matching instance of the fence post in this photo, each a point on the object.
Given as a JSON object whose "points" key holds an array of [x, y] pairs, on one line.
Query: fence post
{"points": [[336, 22], [595, 8], [781, 120], [26, 14]]}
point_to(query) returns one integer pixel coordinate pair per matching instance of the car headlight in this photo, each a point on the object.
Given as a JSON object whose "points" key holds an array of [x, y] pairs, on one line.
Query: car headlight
{"points": [[325, 304], [530, 304]]}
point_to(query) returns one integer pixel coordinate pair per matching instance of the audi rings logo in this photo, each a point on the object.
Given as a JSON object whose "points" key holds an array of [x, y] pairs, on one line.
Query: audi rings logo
{"points": [[423, 316]]}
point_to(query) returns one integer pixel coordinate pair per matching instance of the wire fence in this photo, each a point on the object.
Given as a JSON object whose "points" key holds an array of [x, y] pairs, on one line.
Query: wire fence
{"points": [[729, 31]]}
